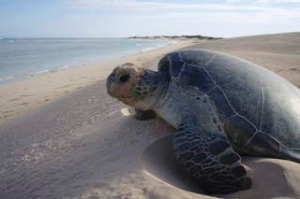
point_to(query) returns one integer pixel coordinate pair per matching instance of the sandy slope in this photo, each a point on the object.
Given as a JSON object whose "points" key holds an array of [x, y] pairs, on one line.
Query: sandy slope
{"points": [[86, 145]]}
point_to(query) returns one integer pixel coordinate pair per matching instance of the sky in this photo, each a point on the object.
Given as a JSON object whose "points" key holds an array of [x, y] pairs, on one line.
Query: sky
{"points": [[123, 18]]}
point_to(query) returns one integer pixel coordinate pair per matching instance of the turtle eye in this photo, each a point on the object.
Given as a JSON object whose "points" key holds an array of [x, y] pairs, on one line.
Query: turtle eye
{"points": [[124, 78]]}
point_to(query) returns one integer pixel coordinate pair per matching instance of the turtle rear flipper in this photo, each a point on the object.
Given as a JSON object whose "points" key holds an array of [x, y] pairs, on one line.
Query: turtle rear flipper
{"points": [[210, 159], [144, 115], [290, 154]]}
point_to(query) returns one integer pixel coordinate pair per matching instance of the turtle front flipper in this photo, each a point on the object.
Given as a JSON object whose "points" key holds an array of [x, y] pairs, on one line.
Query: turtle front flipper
{"points": [[144, 115], [211, 161]]}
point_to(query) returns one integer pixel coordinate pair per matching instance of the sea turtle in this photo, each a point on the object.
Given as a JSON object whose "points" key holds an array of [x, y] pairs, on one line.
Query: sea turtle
{"points": [[221, 106]]}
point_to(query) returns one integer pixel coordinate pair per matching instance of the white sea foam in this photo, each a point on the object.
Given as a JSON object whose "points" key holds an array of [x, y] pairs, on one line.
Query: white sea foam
{"points": [[65, 67], [6, 79], [148, 49], [40, 72]]}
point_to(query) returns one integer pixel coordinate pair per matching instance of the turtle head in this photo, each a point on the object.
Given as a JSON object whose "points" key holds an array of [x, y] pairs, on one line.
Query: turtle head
{"points": [[132, 84]]}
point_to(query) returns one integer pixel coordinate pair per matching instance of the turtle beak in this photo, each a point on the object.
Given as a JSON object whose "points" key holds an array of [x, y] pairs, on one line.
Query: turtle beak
{"points": [[116, 83], [121, 82]]}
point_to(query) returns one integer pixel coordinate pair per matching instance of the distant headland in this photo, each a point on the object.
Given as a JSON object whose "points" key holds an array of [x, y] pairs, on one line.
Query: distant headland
{"points": [[176, 37]]}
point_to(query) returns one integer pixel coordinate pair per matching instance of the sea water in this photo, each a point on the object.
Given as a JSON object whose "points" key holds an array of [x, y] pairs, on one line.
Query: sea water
{"points": [[22, 58]]}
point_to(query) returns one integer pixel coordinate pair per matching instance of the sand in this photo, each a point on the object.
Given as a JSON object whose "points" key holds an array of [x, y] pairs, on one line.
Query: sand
{"points": [[85, 144]]}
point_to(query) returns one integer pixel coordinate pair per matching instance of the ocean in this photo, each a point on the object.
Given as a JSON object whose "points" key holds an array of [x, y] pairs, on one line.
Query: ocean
{"points": [[23, 58]]}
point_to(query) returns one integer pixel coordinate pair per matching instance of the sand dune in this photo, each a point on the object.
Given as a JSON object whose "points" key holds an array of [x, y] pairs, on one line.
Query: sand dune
{"points": [[86, 145]]}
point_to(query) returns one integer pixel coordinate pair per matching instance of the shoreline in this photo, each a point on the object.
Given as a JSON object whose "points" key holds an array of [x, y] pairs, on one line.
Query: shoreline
{"points": [[27, 69], [32, 92]]}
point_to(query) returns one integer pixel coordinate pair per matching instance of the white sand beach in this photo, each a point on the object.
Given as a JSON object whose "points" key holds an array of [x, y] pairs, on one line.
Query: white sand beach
{"points": [[62, 136]]}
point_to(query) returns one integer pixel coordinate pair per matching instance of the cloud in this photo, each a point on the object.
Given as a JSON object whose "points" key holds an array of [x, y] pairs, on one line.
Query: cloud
{"points": [[274, 17], [263, 1], [230, 18], [100, 4], [152, 5], [237, 12]]}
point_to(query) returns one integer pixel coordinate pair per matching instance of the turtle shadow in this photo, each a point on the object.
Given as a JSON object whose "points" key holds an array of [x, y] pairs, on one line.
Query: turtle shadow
{"points": [[268, 175]]}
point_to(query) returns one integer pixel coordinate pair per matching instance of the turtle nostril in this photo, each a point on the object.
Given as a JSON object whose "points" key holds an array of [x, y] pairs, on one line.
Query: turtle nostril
{"points": [[124, 78]]}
